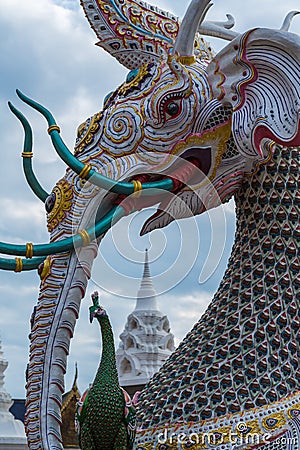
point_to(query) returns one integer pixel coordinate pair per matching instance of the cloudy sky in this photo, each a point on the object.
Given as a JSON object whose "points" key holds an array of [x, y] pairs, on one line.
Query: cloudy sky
{"points": [[47, 50]]}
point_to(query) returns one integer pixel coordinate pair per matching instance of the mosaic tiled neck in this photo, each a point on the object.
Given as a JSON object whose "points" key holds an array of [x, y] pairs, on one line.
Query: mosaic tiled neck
{"points": [[244, 351]]}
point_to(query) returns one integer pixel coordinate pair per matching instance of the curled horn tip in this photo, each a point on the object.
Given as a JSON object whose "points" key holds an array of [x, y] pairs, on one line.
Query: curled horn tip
{"points": [[288, 20], [230, 22], [220, 24]]}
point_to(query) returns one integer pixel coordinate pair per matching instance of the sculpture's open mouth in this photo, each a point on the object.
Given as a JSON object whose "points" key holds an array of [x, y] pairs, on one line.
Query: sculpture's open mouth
{"points": [[187, 170]]}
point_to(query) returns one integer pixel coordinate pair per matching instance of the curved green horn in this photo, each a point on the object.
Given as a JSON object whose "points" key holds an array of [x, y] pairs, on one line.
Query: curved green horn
{"points": [[85, 171], [20, 265], [84, 237], [27, 156]]}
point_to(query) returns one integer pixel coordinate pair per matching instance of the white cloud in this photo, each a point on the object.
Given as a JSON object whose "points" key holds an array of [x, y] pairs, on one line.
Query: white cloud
{"points": [[23, 211]]}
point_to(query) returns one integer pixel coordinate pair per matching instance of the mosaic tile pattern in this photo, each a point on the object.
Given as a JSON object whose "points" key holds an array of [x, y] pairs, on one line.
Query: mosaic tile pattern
{"points": [[244, 351]]}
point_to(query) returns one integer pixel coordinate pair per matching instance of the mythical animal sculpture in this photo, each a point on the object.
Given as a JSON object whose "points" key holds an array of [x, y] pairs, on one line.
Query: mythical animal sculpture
{"points": [[205, 128], [106, 416]]}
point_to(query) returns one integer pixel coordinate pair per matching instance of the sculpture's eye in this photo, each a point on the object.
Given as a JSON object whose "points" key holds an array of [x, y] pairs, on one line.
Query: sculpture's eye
{"points": [[172, 108], [50, 202], [132, 75]]}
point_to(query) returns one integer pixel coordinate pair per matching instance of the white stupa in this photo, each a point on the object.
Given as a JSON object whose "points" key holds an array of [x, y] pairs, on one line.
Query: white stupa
{"points": [[12, 433], [146, 341]]}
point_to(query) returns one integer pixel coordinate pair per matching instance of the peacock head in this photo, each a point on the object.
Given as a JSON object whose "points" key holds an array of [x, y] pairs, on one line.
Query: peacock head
{"points": [[96, 310]]}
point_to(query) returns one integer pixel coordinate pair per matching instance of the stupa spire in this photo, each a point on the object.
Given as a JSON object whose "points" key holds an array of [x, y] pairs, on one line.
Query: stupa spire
{"points": [[146, 274], [146, 296]]}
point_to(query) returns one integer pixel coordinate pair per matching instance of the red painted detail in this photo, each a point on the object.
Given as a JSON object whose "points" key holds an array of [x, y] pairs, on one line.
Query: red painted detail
{"points": [[242, 56], [262, 132]]}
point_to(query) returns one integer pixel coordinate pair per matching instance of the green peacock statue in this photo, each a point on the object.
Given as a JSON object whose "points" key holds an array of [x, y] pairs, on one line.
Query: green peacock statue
{"points": [[105, 414]]}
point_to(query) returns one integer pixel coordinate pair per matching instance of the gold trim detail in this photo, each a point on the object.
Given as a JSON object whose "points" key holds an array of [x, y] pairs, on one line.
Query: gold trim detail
{"points": [[187, 60], [46, 268], [53, 128], [86, 132], [63, 203], [27, 154], [258, 164], [215, 138], [272, 419], [19, 265], [137, 188], [85, 237], [135, 83], [137, 185], [85, 171], [29, 250], [279, 421]]}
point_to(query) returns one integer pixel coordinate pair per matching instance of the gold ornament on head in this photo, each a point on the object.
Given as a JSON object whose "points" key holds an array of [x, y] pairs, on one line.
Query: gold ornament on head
{"points": [[63, 203], [142, 73]]}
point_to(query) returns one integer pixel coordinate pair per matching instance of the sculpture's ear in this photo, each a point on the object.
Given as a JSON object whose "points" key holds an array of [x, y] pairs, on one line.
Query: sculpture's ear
{"points": [[258, 74], [134, 32]]}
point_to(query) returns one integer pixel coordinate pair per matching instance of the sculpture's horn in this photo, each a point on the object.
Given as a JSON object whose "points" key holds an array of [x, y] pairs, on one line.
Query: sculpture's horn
{"points": [[193, 18], [288, 20]]}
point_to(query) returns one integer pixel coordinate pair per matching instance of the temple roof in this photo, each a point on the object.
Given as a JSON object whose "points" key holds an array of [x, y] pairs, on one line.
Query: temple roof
{"points": [[68, 409]]}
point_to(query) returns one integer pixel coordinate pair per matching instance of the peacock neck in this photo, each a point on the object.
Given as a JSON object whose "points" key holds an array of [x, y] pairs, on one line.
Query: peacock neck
{"points": [[107, 371]]}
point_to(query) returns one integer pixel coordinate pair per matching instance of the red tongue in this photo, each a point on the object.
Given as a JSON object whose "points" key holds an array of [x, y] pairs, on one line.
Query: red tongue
{"points": [[180, 176]]}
